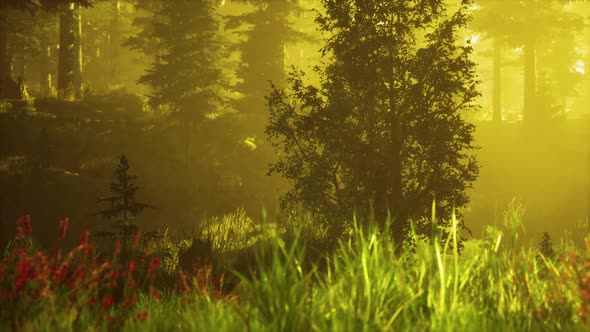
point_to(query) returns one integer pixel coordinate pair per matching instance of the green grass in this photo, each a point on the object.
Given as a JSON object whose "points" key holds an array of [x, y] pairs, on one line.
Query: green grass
{"points": [[363, 287]]}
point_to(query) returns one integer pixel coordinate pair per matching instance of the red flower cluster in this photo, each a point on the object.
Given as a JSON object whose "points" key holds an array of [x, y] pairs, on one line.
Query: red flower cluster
{"points": [[77, 278], [23, 227]]}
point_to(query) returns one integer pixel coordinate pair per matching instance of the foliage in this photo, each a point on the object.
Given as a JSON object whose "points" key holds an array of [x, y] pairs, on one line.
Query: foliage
{"points": [[267, 29], [366, 286], [547, 32], [88, 288], [186, 74], [546, 246], [115, 100], [385, 131], [123, 204]]}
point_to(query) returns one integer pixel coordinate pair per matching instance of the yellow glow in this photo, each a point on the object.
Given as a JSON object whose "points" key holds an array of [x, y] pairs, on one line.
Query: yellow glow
{"points": [[580, 67], [474, 7]]}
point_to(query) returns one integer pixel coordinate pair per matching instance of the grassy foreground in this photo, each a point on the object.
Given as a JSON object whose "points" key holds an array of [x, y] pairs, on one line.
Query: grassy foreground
{"points": [[364, 287]]}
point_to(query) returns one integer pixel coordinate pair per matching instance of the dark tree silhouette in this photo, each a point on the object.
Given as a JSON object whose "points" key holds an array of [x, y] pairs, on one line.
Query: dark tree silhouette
{"points": [[385, 130], [123, 206], [187, 75], [269, 30], [546, 246]]}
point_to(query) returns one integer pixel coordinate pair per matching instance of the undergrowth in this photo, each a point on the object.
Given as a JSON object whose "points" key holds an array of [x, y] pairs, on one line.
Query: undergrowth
{"points": [[362, 285]]}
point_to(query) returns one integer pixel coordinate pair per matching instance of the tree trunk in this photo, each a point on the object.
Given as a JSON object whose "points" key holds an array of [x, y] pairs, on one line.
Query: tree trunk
{"points": [[45, 69], [114, 46], [530, 81], [395, 201], [497, 92], [5, 72], [67, 52], [78, 66], [587, 73]]}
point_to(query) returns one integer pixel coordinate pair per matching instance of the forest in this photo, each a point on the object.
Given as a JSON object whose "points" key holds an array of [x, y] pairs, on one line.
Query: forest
{"points": [[295, 165]]}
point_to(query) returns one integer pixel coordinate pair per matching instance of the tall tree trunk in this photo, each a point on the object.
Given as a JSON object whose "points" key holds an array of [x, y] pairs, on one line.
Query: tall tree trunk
{"points": [[587, 73], [78, 64], [497, 92], [114, 45], [4, 58], [277, 11], [45, 69], [67, 53], [395, 201], [395, 195], [530, 80]]}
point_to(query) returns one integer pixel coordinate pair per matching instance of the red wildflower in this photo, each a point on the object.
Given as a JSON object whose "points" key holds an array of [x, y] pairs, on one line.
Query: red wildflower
{"points": [[131, 300], [108, 301], [118, 247], [23, 226], [84, 238], [24, 269], [153, 264], [114, 277], [63, 227], [78, 276], [92, 301], [142, 315], [136, 239], [185, 285], [155, 293], [132, 266]]}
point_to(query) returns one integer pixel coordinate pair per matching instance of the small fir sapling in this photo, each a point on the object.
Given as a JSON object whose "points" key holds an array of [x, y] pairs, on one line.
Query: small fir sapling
{"points": [[123, 206], [546, 246]]}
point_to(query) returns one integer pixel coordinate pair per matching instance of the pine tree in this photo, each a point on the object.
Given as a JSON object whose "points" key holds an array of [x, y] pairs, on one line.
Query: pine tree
{"points": [[546, 246], [269, 29], [123, 206], [187, 75]]}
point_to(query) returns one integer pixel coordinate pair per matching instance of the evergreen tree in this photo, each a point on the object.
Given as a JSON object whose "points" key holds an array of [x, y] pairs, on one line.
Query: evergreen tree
{"points": [[123, 205], [546, 246], [262, 52], [385, 131], [187, 74], [29, 6], [495, 21], [545, 32]]}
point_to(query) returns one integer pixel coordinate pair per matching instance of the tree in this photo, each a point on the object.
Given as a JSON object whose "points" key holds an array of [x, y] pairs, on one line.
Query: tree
{"points": [[269, 30], [187, 75], [494, 18], [385, 131], [546, 246], [30, 6], [69, 81], [541, 28], [5, 59], [123, 205]]}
